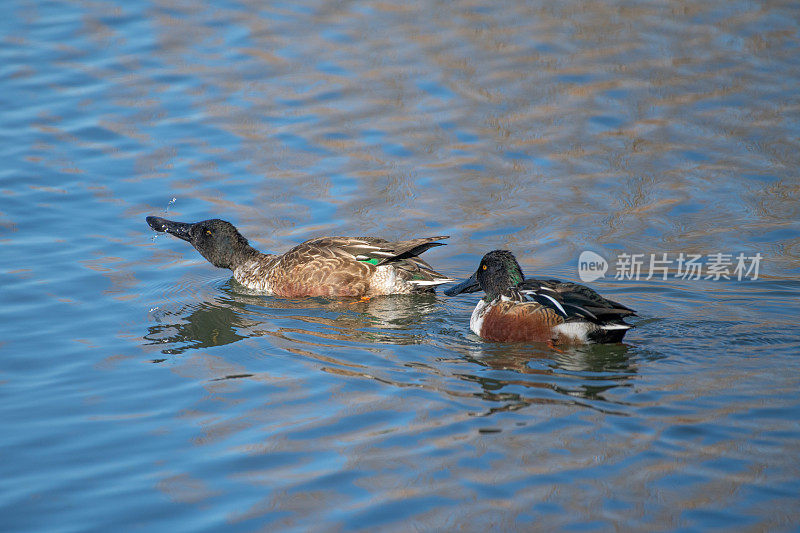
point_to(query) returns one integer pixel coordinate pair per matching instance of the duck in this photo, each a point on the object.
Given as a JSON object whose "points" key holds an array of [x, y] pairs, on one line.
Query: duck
{"points": [[360, 267], [516, 309]]}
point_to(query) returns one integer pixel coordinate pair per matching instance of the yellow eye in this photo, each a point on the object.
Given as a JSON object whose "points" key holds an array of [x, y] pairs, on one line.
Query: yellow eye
{"points": [[208, 232], [484, 267]]}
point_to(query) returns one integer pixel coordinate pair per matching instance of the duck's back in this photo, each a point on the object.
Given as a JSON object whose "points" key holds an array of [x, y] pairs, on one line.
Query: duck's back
{"points": [[576, 300], [344, 267]]}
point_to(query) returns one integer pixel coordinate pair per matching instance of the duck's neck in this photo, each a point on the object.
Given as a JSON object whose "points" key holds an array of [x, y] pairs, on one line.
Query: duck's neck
{"points": [[511, 293], [249, 254], [490, 297], [249, 257], [254, 270]]}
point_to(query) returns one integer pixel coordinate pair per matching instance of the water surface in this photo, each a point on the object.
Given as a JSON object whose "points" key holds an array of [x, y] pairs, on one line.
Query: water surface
{"points": [[142, 388]]}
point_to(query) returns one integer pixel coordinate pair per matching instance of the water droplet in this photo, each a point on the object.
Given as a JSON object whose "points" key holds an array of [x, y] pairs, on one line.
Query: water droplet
{"points": [[170, 204]]}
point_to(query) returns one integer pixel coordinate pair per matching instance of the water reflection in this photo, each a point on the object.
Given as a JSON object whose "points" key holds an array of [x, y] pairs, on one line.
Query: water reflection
{"points": [[329, 333], [236, 314], [208, 324], [526, 374]]}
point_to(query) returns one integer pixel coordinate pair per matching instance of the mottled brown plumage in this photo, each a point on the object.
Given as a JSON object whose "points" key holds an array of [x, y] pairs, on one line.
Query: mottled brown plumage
{"points": [[325, 266]]}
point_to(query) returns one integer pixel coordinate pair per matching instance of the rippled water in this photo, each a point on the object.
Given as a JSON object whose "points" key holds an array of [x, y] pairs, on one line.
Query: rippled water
{"points": [[140, 387]]}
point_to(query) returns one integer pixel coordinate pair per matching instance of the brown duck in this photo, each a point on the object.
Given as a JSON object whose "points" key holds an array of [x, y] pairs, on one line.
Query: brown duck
{"points": [[325, 266], [516, 309]]}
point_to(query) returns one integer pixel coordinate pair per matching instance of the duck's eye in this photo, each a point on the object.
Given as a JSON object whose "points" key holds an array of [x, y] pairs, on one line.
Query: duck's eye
{"points": [[484, 267], [208, 232]]}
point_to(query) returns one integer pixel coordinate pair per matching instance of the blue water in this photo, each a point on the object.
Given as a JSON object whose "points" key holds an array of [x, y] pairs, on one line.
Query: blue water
{"points": [[142, 388]]}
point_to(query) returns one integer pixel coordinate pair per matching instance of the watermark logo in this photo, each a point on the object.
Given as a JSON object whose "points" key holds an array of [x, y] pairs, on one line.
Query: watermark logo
{"points": [[591, 266]]}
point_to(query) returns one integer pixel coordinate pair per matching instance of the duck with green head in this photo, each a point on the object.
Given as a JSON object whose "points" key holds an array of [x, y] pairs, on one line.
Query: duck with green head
{"points": [[326, 266], [516, 309]]}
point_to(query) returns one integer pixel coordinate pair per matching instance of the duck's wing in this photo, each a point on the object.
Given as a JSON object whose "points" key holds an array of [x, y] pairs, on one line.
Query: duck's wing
{"points": [[403, 250], [373, 249], [575, 301], [403, 255]]}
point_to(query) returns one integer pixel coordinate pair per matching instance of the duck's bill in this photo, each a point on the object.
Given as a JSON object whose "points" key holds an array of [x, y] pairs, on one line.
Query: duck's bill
{"points": [[468, 285], [178, 229]]}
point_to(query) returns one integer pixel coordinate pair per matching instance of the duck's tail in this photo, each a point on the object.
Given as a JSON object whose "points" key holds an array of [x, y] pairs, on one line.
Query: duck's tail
{"points": [[415, 270], [610, 333]]}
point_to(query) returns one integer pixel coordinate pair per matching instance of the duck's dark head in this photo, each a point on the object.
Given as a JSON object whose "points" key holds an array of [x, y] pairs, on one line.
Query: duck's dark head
{"points": [[217, 240], [497, 272]]}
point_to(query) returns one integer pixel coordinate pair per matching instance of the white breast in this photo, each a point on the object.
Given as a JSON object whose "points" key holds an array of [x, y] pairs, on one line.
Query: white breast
{"points": [[478, 314]]}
